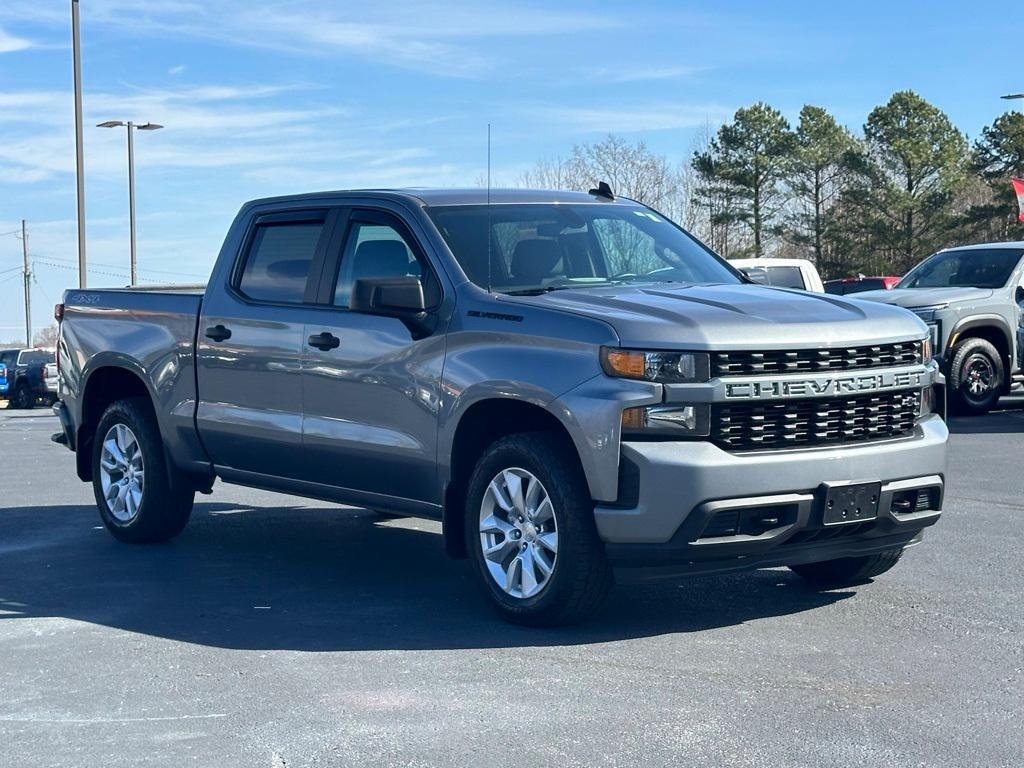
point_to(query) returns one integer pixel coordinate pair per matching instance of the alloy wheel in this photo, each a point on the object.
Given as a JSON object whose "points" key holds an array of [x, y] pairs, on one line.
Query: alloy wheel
{"points": [[518, 533], [122, 473], [979, 376]]}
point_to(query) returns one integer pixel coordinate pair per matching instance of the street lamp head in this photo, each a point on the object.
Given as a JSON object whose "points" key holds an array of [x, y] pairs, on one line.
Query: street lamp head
{"points": [[149, 127], [110, 124], [1013, 96]]}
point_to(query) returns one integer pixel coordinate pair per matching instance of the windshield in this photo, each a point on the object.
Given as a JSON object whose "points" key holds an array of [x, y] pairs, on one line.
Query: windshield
{"points": [[974, 268], [543, 247]]}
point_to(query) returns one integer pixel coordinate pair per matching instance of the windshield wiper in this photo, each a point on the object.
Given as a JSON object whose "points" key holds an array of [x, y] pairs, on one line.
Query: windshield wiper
{"points": [[539, 291]]}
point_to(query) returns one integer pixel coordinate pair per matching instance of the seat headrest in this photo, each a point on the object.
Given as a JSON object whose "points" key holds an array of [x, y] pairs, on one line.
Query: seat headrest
{"points": [[380, 258], [533, 260], [289, 269]]}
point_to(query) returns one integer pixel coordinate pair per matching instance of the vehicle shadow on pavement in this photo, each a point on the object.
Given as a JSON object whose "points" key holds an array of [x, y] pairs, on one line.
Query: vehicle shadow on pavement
{"points": [[1009, 419], [325, 579]]}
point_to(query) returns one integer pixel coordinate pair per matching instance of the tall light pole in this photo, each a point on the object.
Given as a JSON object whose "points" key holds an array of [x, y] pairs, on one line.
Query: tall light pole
{"points": [[76, 49], [132, 127], [1014, 97], [28, 286]]}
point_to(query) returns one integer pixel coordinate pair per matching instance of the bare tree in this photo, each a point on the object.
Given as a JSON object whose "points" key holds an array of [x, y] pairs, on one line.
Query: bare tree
{"points": [[46, 337], [631, 170]]}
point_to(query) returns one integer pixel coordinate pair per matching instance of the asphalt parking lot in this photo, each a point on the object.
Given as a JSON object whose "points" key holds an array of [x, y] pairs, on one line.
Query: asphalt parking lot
{"points": [[278, 631]]}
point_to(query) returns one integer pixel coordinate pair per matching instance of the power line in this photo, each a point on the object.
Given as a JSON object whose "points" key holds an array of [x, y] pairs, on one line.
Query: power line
{"points": [[119, 275], [149, 270]]}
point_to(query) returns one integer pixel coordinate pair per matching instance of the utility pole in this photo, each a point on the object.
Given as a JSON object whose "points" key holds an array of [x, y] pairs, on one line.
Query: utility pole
{"points": [[28, 289], [76, 49]]}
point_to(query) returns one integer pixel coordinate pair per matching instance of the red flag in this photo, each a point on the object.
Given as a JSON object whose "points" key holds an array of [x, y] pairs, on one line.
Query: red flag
{"points": [[1018, 187]]}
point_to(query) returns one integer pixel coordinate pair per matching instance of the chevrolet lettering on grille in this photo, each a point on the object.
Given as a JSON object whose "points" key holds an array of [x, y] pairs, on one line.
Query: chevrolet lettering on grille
{"points": [[824, 386]]}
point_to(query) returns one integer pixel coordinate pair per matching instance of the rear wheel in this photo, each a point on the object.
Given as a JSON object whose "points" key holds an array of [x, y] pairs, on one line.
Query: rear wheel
{"points": [[131, 478], [848, 570], [976, 376], [530, 528], [22, 397]]}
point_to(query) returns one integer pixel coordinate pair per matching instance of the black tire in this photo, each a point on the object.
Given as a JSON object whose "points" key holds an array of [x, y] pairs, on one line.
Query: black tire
{"points": [[975, 364], [581, 576], [22, 398], [848, 570], [165, 506]]}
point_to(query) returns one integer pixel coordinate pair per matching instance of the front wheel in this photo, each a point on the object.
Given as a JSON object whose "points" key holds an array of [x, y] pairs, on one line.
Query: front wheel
{"points": [[975, 376], [131, 478], [530, 528], [848, 570]]}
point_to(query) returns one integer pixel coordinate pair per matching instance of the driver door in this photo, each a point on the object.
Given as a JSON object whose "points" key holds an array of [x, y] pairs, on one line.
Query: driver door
{"points": [[370, 384]]}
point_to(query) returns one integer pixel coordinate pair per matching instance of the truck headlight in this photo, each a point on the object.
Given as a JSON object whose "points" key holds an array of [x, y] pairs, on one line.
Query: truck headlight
{"points": [[926, 347], [660, 367], [667, 421]]}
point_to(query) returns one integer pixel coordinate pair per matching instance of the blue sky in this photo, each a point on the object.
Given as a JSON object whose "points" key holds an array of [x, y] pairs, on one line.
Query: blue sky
{"points": [[263, 97]]}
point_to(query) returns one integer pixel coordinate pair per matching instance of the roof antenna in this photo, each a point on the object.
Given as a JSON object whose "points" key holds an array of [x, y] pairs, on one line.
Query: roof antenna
{"points": [[488, 207], [603, 190]]}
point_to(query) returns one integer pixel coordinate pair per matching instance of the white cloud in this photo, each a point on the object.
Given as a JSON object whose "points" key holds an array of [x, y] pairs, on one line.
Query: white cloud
{"points": [[638, 118], [641, 74], [9, 43], [176, 70], [397, 35]]}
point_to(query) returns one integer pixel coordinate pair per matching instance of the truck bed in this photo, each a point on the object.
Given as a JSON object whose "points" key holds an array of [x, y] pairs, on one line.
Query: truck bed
{"points": [[150, 332]]}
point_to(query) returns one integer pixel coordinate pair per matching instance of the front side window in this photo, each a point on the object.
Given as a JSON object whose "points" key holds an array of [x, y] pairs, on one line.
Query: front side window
{"points": [[279, 261], [973, 268], [532, 248], [376, 250]]}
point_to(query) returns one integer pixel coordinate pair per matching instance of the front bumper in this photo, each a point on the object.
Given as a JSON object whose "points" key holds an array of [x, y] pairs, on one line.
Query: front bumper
{"points": [[680, 487]]}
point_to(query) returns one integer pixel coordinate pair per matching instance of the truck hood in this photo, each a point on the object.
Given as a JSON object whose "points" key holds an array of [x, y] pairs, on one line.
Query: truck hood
{"points": [[925, 297], [732, 316]]}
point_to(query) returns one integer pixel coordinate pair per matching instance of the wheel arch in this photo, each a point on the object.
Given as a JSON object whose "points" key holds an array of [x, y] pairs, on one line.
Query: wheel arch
{"points": [[991, 328], [479, 425], [103, 385]]}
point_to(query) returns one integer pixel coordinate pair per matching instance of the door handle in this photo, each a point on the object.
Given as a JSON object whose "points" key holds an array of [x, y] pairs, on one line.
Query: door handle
{"points": [[324, 341], [218, 333]]}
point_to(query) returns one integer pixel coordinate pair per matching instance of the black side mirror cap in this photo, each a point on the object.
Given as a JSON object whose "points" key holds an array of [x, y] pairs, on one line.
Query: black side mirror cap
{"points": [[1019, 296], [400, 297]]}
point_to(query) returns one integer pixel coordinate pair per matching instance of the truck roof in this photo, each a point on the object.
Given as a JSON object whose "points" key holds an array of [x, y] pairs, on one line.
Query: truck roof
{"points": [[980, 246], [436, 196]]}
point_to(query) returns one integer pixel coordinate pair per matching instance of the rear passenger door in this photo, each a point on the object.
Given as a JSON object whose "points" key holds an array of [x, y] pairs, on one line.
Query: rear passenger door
{"points": [[251, 343], [371, 390]]}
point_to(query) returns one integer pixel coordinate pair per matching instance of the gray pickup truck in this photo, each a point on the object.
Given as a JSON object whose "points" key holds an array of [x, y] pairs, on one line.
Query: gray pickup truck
{"points": [[573, 385], [971, 297]]}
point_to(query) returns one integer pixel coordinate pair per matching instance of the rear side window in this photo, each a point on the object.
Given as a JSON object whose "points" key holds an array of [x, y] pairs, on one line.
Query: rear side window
{"points": [[280, 256], [785, 277]]}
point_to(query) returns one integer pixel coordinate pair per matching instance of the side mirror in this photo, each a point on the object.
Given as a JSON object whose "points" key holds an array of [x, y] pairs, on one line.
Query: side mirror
{"points": [[1019, 295], [757, 275], [400, 297]]}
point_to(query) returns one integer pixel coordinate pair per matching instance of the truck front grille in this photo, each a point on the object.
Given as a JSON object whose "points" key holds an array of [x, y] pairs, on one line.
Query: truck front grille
{"points": [[814, 360], [804, 423]]}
